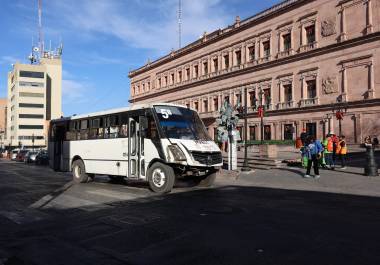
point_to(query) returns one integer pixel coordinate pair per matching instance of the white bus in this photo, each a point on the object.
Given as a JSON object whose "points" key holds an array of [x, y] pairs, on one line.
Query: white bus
{"points": [[152, 142]]}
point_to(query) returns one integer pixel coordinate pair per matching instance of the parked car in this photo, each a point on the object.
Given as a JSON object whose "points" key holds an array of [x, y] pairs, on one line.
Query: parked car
{"points": [[30, 157], [42, 158], [14, 154], [21, 155]]}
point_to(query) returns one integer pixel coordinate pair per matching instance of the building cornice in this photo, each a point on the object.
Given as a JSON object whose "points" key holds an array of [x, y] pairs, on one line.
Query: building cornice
{"points": [[286, 60], [220, 34]]}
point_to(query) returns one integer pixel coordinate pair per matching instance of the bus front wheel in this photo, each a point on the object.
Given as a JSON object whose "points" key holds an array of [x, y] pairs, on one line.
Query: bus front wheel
{"points": [[79, 172], [161, 178]]}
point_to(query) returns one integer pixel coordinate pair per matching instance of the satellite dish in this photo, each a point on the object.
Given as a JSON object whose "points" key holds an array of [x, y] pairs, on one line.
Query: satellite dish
{"points": [[36, 49]]}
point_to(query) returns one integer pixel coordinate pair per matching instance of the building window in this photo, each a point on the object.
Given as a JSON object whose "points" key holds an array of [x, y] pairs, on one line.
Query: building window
{"points": [[251, 53], [288, 131], [187, 74], [179, 76], [310, 34], [172, 79], [238, 57], [288, 92], [32, 95], [252, 98], [267, 133], [188, 105], [30, 105], [32, 84], [266, 48], [267, 98], [238, 98], [241, 133], [196, 71], [148, 86], [227, 98], [31, 116], [205, 68], [196, 106], [31, 74], [252, 133], [215, 64], [216, 104], [159, 83], [205, 105], [311, 89], [226, 59], [287, 41], [166, 80], [31, 127]]}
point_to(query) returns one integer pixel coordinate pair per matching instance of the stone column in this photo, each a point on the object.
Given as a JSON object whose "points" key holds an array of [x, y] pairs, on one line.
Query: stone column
{"points": [[281, 93], [243, 53], [280, 48], [369, 26], [371, 81], [220, 62], [230, 58], [344, 84], [257, 49], [343, 35]]}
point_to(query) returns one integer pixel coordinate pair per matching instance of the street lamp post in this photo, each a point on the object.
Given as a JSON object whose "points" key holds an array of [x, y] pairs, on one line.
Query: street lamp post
{"points": [[245, 112], [339, 110]]}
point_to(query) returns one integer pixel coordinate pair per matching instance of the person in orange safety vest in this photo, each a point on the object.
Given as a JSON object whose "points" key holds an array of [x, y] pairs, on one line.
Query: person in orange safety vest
{"points": [[342, 151]]}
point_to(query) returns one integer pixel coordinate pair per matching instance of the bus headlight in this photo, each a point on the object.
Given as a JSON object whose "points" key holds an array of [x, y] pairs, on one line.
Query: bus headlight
{"points": [[177, 153]]}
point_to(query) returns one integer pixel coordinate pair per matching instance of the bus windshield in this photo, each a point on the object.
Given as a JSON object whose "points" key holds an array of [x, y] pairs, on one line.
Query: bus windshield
{"points": [[181, 123]]}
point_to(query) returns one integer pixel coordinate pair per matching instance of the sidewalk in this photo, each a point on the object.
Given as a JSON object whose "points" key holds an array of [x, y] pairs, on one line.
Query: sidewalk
{"points": [[349, 181]]}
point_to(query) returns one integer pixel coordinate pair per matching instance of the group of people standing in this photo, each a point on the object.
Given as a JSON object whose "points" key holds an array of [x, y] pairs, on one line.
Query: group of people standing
{"points": [[323, 153]]}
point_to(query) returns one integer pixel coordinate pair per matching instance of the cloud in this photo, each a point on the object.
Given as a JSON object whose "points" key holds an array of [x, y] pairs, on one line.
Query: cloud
{"points": [[74, 91], [8, 60], [143, 24]]}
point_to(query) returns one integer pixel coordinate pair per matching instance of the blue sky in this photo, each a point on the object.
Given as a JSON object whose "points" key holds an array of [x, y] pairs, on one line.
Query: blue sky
{"points": [[104, 39]]}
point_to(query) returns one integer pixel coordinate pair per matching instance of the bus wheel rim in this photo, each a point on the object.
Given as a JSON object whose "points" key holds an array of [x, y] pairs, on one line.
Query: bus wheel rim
{"points": [[158, 177], [77, 171]]}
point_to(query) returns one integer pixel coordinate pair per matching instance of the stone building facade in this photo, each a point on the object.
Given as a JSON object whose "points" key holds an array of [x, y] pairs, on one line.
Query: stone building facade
{"points": [[301, 59]]}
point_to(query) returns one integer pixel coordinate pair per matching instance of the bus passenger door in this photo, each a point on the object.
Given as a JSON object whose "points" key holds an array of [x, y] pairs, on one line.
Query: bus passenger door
{"points": [[59, 134], [133, 148]]}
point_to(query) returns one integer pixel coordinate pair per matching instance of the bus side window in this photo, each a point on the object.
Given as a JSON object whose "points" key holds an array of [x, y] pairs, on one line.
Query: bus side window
{"points": [[71, 132], [112, 127], [152, 132], [84, 129], [96, 131], [123, 132]]}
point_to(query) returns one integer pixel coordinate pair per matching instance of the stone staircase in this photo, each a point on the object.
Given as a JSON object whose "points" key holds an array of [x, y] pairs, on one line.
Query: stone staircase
{"points": [[257, 162]]}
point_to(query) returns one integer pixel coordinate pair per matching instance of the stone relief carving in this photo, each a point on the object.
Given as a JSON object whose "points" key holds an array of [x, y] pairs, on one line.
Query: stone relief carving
{"points": [[330, 85], [328, 28]]}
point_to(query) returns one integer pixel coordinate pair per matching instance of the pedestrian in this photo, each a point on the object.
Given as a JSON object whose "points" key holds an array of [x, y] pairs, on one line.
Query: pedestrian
{"points": [[328, 150], [313, 149], [335, 141], [342, 151], [303, 136], [367, 140]]}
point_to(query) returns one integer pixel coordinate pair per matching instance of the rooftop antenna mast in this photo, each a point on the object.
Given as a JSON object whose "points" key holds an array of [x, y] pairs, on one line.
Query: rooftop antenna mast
{"points": [[179, 24], [40, 32]]}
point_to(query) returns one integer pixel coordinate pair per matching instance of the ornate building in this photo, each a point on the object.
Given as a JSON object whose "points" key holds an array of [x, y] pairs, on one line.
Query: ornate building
{"points": [[300, 58]]}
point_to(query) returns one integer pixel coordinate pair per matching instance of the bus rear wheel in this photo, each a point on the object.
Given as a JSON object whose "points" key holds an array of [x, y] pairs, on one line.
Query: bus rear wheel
{"points": [[161, 178], [79, 172]]}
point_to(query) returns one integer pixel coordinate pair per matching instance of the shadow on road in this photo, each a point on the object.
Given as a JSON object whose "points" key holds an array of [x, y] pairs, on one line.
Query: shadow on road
{"points": [[228, 225]]}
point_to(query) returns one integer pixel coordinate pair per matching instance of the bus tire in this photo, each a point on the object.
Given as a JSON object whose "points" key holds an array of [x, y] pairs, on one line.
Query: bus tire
{"points": [[207, 180], [161, 178], [79, 172]]}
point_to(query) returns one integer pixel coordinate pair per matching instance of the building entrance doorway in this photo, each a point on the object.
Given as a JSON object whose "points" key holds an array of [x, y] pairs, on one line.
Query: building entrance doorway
{"points": [[311, 129]]}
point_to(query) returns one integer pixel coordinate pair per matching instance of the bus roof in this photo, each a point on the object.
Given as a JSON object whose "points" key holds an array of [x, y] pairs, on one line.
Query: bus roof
{"points": [[117, 110]]}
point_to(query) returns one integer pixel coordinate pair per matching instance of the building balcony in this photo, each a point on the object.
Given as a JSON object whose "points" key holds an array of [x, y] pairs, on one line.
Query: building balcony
{"points": [[309, 102], [286, 53], [252, 63], [309, 46], [265, 59], [237, 67], [209, 114], [285, 105]]}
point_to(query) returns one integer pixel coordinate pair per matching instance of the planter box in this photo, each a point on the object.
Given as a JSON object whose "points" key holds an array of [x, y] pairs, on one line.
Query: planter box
{"points": [[268, 150]]}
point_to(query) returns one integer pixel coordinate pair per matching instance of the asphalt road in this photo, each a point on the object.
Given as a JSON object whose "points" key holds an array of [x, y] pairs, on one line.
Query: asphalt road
{"points": [[45, 219]]}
